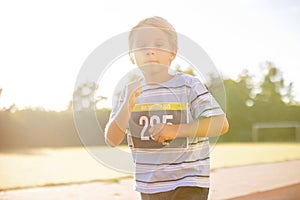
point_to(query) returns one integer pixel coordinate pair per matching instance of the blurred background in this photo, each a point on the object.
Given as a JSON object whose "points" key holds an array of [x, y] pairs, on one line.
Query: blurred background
{"points": [[254, 45]]}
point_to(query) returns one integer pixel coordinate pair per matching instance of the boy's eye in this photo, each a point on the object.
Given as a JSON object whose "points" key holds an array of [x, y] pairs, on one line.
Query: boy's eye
{"points": [[159, 44], [140, 45]]}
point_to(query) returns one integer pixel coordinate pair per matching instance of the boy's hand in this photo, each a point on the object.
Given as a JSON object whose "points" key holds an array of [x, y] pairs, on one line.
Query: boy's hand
{"points": [[134, 90], [163, 132]]}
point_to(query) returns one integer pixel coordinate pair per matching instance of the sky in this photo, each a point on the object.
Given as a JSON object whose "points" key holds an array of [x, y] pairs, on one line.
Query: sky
{"points": [[43, 44]]}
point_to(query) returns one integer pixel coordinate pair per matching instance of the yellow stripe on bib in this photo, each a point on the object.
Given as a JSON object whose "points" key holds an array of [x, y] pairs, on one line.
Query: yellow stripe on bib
{"points": [[160, 106]]}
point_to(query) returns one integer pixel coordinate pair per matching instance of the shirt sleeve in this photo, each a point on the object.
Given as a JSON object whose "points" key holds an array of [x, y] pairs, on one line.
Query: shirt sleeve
{"points": [[202, 103]]}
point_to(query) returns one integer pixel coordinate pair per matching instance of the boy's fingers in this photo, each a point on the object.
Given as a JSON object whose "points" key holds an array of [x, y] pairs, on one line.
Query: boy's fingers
{"points": [[156, 134], [152, 137], [134, 90], [161, 139], [153, 134]]}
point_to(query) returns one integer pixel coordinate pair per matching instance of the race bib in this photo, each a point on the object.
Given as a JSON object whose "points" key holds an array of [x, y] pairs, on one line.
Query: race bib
{"points": [[144, 116]]}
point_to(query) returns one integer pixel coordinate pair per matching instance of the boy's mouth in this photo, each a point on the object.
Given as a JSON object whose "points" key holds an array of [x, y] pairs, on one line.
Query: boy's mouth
{"points": [[152, 61]]}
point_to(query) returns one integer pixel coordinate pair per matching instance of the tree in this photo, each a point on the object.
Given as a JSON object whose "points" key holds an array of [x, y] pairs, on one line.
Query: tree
{"points": [[84, 98], [188, 70], [271, 86], [268, 102], [238, 103]]}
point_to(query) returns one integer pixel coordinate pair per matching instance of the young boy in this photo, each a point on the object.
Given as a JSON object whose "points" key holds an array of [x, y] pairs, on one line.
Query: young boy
{"points": [[169, 118]]}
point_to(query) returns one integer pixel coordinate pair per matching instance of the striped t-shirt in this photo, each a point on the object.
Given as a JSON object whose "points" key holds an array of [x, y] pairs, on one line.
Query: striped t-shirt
{"points": [[183, 161]]}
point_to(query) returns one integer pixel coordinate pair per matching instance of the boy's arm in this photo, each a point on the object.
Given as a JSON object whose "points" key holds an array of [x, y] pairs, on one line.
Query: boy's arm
{"points": [[116, 127], [203, 127]]}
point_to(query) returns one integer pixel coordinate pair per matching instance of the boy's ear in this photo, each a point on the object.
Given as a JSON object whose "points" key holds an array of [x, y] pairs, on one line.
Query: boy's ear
{"points": [[131, 58]]}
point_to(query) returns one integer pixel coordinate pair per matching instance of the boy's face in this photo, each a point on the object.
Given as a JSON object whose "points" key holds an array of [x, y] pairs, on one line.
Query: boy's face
{"points": [[152, 49]]}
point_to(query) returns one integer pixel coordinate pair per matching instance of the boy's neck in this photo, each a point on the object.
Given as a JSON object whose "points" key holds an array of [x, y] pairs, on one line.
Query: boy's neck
{"points": [[159, 78]]}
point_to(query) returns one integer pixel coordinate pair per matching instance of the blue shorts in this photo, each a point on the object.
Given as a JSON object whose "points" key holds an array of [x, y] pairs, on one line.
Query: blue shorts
{"points": [[180, 193]]}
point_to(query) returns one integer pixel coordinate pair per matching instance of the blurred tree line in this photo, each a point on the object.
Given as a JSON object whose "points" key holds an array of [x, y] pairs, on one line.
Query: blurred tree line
{"points": [[248, 101], [269, 99]]}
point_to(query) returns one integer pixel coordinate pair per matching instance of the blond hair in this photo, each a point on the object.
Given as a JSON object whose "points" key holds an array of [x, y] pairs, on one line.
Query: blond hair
{"points": [[160, 23]]}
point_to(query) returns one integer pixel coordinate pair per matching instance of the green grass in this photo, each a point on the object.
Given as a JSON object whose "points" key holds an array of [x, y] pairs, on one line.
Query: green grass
{"points": [[237, 154], [58, 166]]}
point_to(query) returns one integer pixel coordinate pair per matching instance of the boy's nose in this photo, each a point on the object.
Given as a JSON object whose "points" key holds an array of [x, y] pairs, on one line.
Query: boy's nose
{"points": [[150, 51]]}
